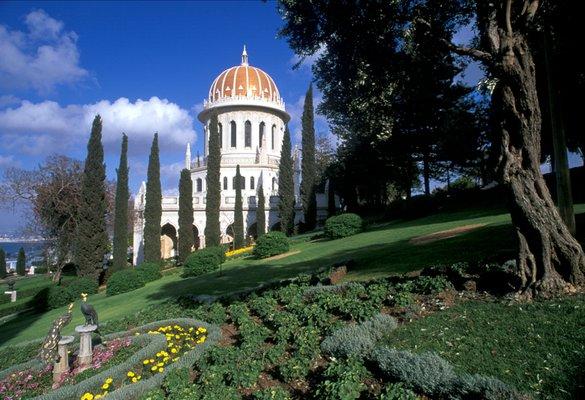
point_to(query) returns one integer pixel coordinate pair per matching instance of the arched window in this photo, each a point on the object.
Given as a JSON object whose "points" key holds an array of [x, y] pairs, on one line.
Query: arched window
{"points": [[272, 136], [252, 182], [225, 183], [273, 184], [261, 130], [248, 134], [220, 130], [233, 133], [199, 185]]}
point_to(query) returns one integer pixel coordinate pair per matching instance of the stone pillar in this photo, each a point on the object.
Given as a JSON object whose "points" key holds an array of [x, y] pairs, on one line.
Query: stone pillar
{"points": [[62, 367], [85, 346], [201, 241], [12, 294]]}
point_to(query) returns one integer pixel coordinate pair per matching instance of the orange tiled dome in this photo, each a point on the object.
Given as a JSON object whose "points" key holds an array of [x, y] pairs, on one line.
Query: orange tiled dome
{"points": [[244, 81]]}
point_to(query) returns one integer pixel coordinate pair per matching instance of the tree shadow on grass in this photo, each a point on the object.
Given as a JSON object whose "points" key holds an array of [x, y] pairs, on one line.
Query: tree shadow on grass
{"points": [[370, 261]]}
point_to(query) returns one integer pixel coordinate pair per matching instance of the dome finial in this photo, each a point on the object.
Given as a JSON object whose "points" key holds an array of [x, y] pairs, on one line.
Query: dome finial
{"points": [[244, 56]]}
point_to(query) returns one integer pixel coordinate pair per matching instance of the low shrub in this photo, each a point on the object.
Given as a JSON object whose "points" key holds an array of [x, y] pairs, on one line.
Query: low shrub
{"points": [[427, 373], [58, 296], [272, 393], [343, 379], [343, 225], [271, 244], [203, 261], [397, 391], [83, 285], [124, 281], [358, 340], [149, 271], [426, 285]]}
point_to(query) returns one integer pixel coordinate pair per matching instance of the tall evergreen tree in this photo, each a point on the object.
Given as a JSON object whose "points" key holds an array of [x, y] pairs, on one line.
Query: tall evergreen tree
{"points": [[120, 243], [308, 162], [238, 213], [91, 240], [186, 239], [286, 189], [21, 263], [153, 206], [260, 210], [3, 271], [213, 196]]}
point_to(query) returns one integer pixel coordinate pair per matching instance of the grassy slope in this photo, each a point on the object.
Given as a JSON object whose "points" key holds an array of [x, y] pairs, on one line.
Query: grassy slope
{"points": [[383, 250], [538, 347]]}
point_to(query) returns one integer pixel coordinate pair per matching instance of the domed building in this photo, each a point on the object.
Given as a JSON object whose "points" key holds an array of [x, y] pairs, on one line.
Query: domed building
{"points": [[252, 118]]}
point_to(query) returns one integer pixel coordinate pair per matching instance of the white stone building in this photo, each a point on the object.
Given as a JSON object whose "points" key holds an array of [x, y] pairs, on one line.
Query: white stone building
{"points": [[252, 119]]}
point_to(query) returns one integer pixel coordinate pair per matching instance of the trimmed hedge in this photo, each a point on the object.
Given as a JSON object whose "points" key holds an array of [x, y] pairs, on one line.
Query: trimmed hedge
{"points": [[203, 261], [271, 244], [83, 285], [343, 225], [358, 340], [124, 281], [149, 271]]}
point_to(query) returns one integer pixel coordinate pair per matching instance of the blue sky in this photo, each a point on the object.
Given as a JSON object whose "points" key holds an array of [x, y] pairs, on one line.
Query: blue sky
{"points": [[145, 66]]}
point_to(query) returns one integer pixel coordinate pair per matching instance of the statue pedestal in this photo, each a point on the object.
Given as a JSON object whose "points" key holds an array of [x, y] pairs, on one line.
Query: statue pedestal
{"points": [[85, 347], [61, 367], [12, 294]]}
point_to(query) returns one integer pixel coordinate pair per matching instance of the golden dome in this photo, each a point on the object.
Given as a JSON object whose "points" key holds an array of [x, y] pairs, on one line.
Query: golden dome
{"points": [[244, 81]]}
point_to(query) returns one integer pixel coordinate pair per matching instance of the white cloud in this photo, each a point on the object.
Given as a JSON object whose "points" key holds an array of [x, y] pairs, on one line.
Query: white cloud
{"points": [[307, 62], [47, 127], [295, 111], [8, 161], [41, 58]]}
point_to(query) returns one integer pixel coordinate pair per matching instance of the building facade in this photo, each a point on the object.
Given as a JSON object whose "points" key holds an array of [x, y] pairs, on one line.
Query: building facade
{"points": [[252, 119]]}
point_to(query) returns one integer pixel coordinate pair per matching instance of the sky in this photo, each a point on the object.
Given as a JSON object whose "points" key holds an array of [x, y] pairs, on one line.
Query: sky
{"points": [[145, 67]]}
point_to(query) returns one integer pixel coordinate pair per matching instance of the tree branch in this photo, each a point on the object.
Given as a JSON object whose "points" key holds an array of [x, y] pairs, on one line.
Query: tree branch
{"points": [[469, 51], [529, 9]]}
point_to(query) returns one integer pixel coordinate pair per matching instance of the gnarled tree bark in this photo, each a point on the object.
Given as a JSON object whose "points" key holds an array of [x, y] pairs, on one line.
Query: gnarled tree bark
{"points": [[550, 260]]}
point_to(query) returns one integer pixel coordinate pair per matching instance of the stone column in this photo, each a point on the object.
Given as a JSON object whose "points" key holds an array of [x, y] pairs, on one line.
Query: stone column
{"points": [[62, 367], [85, 346]]}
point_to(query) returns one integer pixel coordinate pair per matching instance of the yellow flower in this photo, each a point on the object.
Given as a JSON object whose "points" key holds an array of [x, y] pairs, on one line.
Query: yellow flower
{"points": [[98, 396], [173, 350], [153, 368], [134, 380], [130, 374], [161, 369], [105, 386], [109, 380], [145, 362], [87, 396]]}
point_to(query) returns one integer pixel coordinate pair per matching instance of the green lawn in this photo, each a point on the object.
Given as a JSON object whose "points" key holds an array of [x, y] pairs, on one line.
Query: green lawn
{"points": [[382, 250], [537, 347]]}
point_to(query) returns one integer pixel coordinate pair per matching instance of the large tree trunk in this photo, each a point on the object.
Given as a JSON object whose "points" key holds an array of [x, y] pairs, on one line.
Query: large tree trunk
{"points": [[550, 260]]}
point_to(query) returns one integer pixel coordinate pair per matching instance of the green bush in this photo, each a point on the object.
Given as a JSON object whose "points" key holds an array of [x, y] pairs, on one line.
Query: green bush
{"points": [[343, 379], [397, 391], [271, 244], [58, 296], [149, 271], [203, 261], [83, 285], [124, 281], [272, 393], [358, 340], [343, 225]]}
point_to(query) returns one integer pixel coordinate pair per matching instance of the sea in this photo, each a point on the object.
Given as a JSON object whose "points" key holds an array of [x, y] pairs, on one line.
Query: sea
{"points": [[31, 249]]}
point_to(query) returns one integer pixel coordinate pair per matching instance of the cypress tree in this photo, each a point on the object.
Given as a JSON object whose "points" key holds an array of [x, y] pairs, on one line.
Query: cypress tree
{"points": [[120, 243], [238, 213], [260, 211], [153, 206], [213, 195], [286, 189], [3, 271], [331, 207], [91, 241], [308, 162], [186, 239], [21, 263]]}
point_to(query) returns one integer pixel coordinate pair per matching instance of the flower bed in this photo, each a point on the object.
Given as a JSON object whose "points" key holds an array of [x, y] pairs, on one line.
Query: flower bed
{"points": [[239, 252], [172, 343]]}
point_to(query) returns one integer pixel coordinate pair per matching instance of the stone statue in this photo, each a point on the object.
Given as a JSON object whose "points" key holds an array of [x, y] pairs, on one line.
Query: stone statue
{"points": [[49, 352], [90, 314], [10, 282]]}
